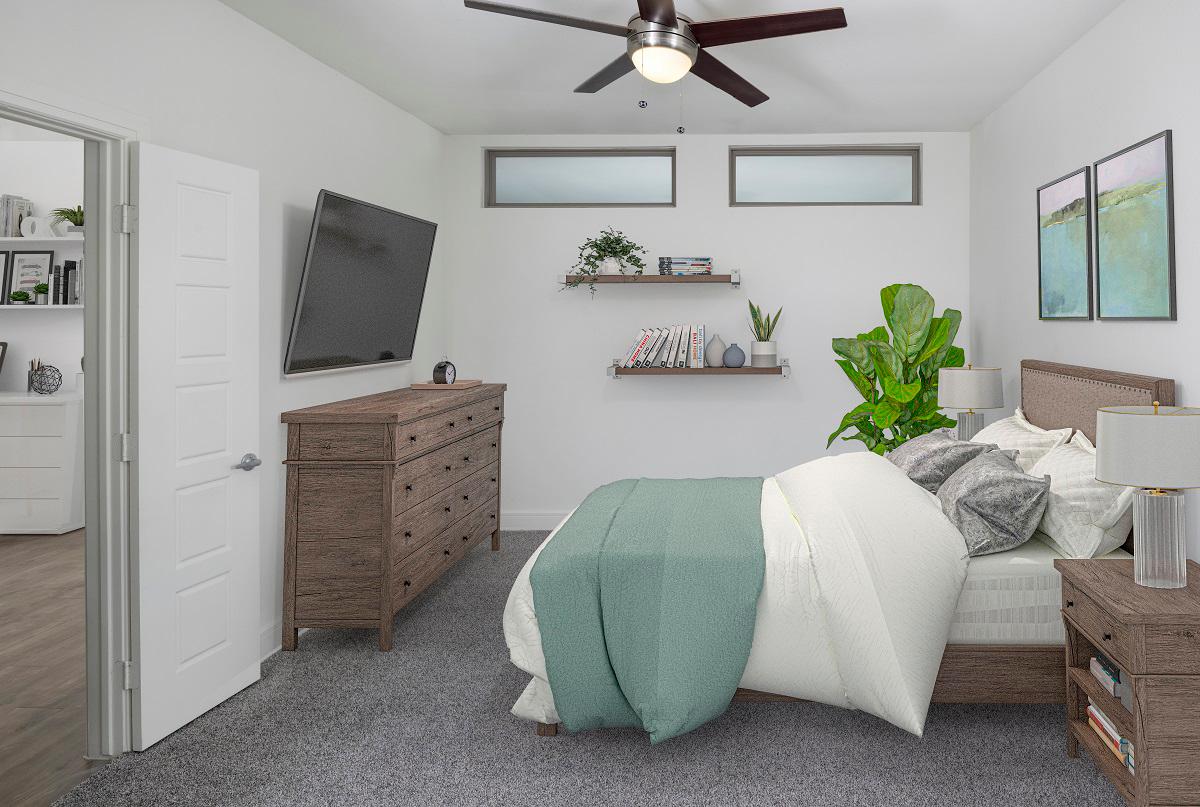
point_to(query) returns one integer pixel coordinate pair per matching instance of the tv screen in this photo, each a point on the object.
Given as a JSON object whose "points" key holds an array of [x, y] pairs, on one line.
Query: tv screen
{"points": [[362, 286]]}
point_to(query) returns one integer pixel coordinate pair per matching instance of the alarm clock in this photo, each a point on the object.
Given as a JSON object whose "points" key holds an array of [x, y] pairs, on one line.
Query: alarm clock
{"points": [[444, 373]]}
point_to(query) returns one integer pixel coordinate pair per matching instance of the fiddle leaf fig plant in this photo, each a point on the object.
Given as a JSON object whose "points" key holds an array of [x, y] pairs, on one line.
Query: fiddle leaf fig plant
{"points": [[895, 367]]}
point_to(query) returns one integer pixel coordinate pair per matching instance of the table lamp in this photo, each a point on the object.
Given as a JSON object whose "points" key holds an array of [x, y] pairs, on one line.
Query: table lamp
{"points": [[1157, 450], [970, 388]]}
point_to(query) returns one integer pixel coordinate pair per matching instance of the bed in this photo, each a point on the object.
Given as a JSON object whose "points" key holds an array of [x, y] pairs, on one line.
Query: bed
{"points": [[1005, 640]]}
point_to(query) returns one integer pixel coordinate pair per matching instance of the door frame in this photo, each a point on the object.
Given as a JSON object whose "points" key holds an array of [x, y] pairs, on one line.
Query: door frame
{"points": [[107, 315]]}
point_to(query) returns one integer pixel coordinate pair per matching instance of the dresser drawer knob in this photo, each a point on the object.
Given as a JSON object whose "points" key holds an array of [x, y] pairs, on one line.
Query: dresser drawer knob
{"points": [[452, 424], [496, 408], [408, 582], [493, 445], [408, 533], [412, 438], [408, 487], [492, 516], [1070, 603], [1108, 637], [447, 509], [493, 479], [447, 467], [445, 551], [465, 538], [466, 497]]}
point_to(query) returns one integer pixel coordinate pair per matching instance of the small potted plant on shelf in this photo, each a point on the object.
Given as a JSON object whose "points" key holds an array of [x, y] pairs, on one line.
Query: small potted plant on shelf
{"points": [[763, 352], [41, 293], [18, 297], [73, 218], [609, 253]]}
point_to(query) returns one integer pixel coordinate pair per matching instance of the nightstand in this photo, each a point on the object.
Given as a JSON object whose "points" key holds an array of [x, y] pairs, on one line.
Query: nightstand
{"points": [[1153, 636]]}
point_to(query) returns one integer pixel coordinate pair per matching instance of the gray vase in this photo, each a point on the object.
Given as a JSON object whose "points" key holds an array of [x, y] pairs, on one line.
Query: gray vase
{"points": [[714, 354], [734, 356]]}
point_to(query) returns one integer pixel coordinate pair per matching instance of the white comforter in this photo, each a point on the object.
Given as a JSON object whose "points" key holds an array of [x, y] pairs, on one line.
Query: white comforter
{"points": [[862, 575]]}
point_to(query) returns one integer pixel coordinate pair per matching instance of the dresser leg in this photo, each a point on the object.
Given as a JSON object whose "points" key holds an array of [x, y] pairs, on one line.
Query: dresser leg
{"points": [[289, 638], [547, 729], [1072, 745], [385, 637], [496, 541]]}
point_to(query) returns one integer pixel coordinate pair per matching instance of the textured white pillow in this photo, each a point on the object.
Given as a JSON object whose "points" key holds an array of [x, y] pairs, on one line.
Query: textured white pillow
{"points": [[1084, 518], [1017, 433]]}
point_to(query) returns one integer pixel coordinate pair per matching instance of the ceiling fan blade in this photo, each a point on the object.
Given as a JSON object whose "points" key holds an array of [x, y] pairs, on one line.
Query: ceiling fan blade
{"points": [[746, 29], [545, 16], [607, 75], [717, 74], [659, 11]]}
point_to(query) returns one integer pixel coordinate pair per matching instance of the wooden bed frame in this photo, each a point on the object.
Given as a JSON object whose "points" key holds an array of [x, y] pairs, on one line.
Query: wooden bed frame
{"points": [[1053, 396]]}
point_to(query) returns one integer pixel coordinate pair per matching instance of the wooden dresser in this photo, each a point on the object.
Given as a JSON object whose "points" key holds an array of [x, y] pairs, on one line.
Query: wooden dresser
{"points": [[1153, 636], [384, 494]]}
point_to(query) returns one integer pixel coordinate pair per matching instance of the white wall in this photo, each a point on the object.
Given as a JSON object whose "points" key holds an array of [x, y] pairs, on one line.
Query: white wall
{"points": [[1131, 76], [50, 174], [199, 77], [569, 428]]}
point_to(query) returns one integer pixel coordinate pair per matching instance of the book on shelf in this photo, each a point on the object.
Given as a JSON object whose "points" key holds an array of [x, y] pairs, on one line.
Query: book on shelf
{"points": [[1109, 676], [13, 209], [676, 346], [685, 266], [1102, 724]]}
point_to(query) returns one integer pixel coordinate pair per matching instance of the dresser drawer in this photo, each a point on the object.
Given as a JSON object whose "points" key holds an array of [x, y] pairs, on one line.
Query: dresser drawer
{"points": [[414, 574], [418, 525], [33, 421], [342, 442], [412, 438], [1109, 636], [338, 580], [431, 474]]}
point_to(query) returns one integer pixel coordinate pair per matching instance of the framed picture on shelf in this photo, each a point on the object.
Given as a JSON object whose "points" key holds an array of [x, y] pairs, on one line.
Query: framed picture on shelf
{"points": [[1065, 247], [1135, 232], [5, 266], [28, 270], [3, 350]]}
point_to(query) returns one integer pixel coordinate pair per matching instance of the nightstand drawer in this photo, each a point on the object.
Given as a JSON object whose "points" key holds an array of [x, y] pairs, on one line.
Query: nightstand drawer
{"points": [[1110, 637]]}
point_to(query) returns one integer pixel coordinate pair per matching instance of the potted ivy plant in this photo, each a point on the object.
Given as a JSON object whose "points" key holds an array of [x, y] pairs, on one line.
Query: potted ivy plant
{"points": [[72, 217], [18, 297], [763, 351], [42, 293], [609, 253]]}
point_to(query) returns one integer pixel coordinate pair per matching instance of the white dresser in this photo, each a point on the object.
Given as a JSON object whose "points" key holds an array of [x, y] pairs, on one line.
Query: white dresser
{"points": [[41, 462]]}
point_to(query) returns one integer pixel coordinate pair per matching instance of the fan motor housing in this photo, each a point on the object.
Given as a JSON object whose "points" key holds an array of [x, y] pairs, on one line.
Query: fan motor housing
{"points": [[643, 34]]}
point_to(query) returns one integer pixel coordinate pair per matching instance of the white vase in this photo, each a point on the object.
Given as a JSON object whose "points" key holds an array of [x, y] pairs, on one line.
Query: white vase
{"points": [[763, 354], [611, 266], [714, 354], [36, 227]]}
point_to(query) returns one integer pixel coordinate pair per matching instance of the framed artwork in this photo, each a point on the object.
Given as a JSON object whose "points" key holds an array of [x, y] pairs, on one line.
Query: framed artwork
{"points": [[1065, 247], [1135, 232], [29, 269], [4, 277], [3, 350]]}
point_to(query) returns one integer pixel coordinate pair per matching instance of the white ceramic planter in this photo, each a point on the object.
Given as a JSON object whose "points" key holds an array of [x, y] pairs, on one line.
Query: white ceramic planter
{"points": [[611, 266], [763, 354]]}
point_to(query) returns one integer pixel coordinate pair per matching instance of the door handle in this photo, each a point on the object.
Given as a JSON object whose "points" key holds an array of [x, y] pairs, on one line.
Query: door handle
{"points": [[249, 463]]}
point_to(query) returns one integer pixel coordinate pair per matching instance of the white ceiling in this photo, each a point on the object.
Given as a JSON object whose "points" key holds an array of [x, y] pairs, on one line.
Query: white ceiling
{"points": [[901, 65]]}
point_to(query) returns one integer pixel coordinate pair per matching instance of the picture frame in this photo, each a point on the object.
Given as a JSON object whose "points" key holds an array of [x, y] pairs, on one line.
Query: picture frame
{"points": [[5, 265], [27, 269], [1064, 210], [1135, 232], [3, 352]]}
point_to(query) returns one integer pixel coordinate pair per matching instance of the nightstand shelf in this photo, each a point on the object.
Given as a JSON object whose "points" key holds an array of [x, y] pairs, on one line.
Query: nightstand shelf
{"points": [[1153, 637]]}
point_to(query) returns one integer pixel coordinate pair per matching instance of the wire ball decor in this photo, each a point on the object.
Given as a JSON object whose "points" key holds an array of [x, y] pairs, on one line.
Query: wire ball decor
{"points": [[46, 380]]}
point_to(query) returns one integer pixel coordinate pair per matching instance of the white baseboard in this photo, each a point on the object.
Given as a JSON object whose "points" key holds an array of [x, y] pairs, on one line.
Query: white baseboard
{"points": [[270, 640], [530, 520]]}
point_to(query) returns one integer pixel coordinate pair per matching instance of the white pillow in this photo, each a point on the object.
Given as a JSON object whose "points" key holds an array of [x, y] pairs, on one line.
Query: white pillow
{"points": [[1017, 433], [1084, 518]]}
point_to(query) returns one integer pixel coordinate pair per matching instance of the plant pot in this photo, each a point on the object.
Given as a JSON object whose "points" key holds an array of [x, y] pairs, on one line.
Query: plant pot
{"points": [[18, 302], [41, 299], [763, 354], [611, 266]]}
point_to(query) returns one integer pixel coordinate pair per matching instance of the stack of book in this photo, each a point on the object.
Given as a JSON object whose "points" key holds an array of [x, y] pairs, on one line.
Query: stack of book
{"points": [[1112, 679], [12, 210], [685, 266], [1121, 747], [673, 346]]}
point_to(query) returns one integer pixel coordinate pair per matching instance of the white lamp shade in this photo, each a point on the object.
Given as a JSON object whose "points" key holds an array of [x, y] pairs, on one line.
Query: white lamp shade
{"points": [[1136, 447], [970, 388]]}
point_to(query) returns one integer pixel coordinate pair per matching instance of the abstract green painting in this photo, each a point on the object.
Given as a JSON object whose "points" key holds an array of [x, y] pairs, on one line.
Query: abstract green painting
{"points": [[1135, 238], [1064, 248]]}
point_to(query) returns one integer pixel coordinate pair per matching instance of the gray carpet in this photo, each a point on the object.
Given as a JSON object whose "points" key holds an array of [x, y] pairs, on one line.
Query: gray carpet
{"points": [[339, 723]]}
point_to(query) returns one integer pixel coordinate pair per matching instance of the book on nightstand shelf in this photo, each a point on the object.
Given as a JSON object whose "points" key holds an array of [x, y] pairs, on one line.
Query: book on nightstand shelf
{"points": [[1109, 676], [1121, 747]]}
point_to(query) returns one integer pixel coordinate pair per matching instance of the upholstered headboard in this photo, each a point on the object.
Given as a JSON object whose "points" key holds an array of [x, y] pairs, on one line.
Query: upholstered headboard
{"points": [[1059, 396]]}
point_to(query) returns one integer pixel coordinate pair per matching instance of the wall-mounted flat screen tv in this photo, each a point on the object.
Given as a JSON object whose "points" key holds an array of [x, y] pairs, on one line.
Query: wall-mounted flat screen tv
{"points": [[362, 286]]}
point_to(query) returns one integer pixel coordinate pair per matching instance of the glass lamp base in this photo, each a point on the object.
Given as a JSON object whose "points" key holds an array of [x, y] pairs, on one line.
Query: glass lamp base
{"points": [[969, 424], [1159, 539]]}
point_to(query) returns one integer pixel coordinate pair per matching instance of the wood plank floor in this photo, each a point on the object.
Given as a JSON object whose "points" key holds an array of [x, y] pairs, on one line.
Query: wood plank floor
{"points": [[42, 685]]}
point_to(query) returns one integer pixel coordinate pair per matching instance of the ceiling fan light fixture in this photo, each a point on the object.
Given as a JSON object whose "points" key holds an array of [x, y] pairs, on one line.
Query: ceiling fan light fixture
{"points": [[662, 57]]}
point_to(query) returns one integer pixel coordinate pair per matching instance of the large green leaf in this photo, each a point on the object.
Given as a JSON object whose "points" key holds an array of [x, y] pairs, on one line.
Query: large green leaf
{"points": [[939, 331], [878, 334], [908, 311], [955, 357], [903, 393], [864, 385], [886, 412], [857, 351], [859, 414], [886, 360]]}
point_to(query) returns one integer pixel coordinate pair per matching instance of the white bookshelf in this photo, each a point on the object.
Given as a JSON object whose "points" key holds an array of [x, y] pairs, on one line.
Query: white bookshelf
{"points": [[20, 241], [10, 307]]}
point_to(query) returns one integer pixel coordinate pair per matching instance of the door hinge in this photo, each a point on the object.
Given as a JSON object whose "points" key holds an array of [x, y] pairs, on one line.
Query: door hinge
{"points": [[129, 675], [126, 447], [125, 219]]}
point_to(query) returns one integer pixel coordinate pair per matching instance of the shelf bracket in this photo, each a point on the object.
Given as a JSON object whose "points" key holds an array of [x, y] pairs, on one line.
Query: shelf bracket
{"points": [[735, 279], [612, 369]]}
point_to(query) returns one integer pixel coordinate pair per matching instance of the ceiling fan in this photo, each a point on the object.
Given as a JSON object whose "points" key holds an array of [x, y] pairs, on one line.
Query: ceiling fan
{"points": [[664, 46]]}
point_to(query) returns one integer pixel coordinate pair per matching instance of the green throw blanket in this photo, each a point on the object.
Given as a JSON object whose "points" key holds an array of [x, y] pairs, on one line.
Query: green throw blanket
{"points": [[646, 600]]}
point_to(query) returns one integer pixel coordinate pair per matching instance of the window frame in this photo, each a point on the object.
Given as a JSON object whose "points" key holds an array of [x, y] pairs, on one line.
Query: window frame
{"points": [[912, 150], [489, 173]]}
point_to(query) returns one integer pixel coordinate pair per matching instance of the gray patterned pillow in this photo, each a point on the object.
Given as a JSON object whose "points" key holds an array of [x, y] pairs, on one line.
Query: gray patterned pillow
{"points": [[931, 458], [995, 505]]}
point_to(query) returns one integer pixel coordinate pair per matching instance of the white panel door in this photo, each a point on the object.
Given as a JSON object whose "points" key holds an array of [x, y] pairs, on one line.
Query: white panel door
{"points": [[195, 370]]}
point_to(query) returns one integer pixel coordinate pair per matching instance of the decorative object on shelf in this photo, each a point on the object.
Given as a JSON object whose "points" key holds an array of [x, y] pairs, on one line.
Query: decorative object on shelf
{"points": [[970, 388], [734, 356], [72, 218], [444, 372], [44, 379], [611, 266], [5, 277], [896, 373], [29, 269], [594, 252], [19, 297], [41, 294], [763, 352], [714, 354], [1135, 239], [37, 227], [1152, 448], [1065, 247], [3, 351]]}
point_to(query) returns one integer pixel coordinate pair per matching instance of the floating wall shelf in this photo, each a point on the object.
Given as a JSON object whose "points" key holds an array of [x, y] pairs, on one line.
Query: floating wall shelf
{"points": [[9, 307], [19, 241], [616, 371], [734, 279]]}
